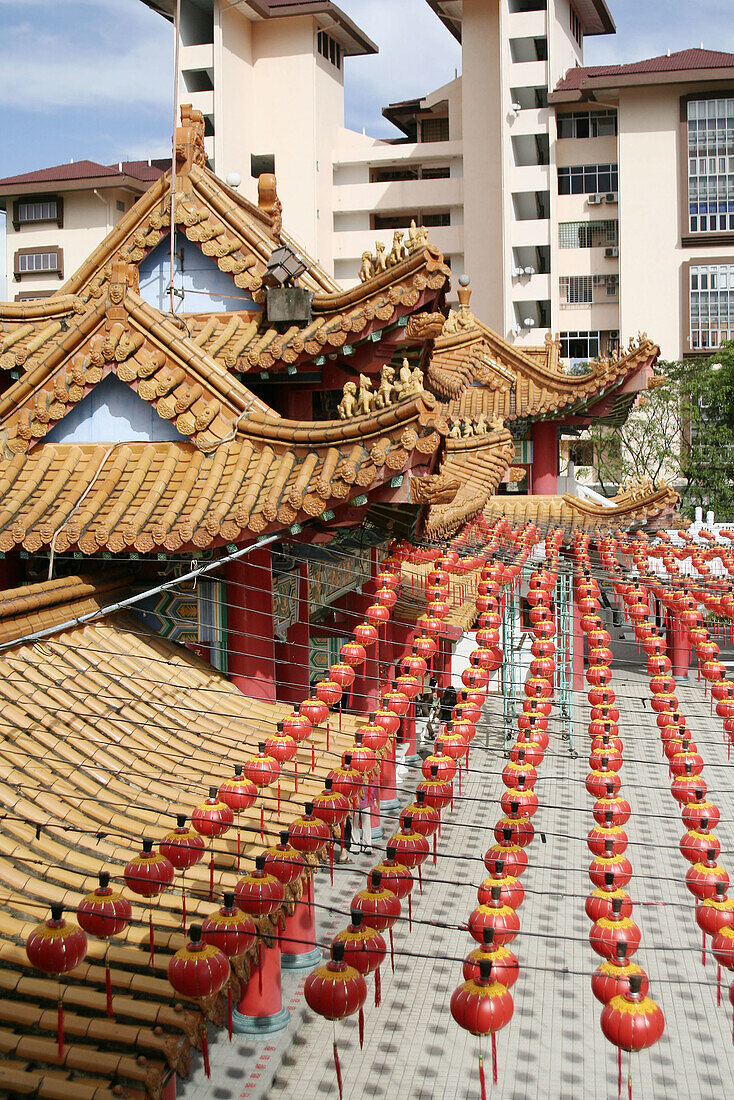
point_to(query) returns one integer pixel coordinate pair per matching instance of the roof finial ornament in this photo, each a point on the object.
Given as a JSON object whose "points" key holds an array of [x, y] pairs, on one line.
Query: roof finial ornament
{"points": [[461, 319], [190, 148], [268, 201]]}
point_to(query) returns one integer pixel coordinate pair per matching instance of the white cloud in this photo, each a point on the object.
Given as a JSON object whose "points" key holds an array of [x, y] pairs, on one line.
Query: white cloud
{"points": [[53, 70]]}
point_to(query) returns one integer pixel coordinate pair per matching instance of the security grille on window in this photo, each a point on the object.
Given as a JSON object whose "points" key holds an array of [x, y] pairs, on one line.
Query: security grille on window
{"points": [[588, 124], [330, 49], [434, 129], [711, 304], [588, 179], [586, 290], [710, 165], [596, 234]]}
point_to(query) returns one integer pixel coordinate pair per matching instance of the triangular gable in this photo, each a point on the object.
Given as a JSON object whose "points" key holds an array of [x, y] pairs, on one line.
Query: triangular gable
{"points": [[119, 333], [113, 413], [239, 236]]}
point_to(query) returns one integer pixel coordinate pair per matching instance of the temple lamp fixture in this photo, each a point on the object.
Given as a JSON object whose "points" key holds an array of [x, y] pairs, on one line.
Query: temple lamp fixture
{"points": [[283, 267], [286, 304]]}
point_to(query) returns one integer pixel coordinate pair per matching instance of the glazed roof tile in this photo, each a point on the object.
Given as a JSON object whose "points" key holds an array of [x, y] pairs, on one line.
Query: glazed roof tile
{"points": [[478, 464], [107, 732], [481, 373], [636, 505]]}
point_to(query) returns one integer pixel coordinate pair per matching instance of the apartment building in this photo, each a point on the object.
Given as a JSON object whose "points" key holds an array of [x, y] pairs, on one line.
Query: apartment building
{"points": [[56, 216]]}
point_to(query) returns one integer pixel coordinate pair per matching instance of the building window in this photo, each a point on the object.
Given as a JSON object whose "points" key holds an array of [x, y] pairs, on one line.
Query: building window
{"points": [[439, 173], [576, 28], [581, 453], [588, 179], [38, 261], [710, 165], [427, 218], [330, 49], [711, 301], [588, 124], [580, 346], [33, 295], [392, 174], [120, 206], [434, 129], [596, 234], [587, 290], [46, 208], [262, 164]]}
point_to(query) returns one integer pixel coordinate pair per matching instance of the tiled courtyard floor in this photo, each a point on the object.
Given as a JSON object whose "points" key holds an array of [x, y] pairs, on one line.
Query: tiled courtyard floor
{"points": [[553, 1047]]}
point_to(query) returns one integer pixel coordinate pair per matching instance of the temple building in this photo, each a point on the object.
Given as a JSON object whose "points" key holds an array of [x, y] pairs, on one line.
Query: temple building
{"points": [[194, 506]]}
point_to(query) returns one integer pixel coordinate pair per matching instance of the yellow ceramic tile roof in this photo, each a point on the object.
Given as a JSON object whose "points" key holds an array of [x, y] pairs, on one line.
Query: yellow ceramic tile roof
{"points": [[478, 464], [107, 732], [461, 597], [636, 505], [483, 374]]}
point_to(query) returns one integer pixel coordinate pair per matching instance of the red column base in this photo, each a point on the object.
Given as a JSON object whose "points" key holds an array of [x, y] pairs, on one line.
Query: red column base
{"points": [[298, 940], [388, 782], [261, 1011]]}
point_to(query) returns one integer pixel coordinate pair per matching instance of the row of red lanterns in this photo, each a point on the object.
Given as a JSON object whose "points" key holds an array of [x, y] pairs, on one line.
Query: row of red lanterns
{"points": [[630, 1019]]}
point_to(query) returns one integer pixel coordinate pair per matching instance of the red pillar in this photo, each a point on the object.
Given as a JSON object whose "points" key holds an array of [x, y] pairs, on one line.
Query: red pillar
{"points": [[544, 435], [260, 1010], [442, 662], [250, 625], [679, 649], [298, 941], [388, 781], [292, 657], [577, 682]]}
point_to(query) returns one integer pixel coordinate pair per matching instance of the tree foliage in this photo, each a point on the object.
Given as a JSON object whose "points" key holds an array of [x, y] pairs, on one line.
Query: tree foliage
{"points": [[681, 432]]}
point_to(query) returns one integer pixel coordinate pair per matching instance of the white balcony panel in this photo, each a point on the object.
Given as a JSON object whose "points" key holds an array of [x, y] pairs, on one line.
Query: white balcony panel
{"points": [[399, 195], [586, 261], [528, 74], [527, 24], [198, 57], [531, 233], [531, 120], [350, 245], [529, 177], [536, 288], [202, 101], [599, 150], [577, 208], [601, 317], [418, 152]]}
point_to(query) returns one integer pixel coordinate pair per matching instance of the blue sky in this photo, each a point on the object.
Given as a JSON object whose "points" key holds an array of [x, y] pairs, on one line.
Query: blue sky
{"points": [[92, 78]]}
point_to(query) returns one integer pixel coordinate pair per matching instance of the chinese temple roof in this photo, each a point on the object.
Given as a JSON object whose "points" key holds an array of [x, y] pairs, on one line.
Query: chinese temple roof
{"points": [[638, 504], [482, 374], [477, 465]]}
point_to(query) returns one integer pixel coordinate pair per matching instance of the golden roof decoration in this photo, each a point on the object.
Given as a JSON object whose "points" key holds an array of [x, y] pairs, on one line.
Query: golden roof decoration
{"points": [[478, 462], [641, 504]]}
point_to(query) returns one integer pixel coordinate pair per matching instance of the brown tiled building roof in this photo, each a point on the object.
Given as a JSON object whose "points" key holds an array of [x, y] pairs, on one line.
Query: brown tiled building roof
{"points": [[107, 732], [668, 66], [84, 170], [478, 464]]}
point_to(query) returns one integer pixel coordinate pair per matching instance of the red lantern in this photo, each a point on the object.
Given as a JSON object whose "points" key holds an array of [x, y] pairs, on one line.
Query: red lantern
{"points": [[56, 947], [527, 800], [696, 843], [701, 878], [512, 891], [684, 787], [329, 692], [715, 913], [343, 675], [445, 766], [346, 780], [366, 634], [380, 907], [363, 758], [284, 861], [389, 721], [437, 793], [229, 929], [620, 808], [196, 971], [353, 653], [408, 685], [599, 902], [612, 977], [396, 877], [607, 932], [260, 894], [308, 834], [364, 949], [262, 770], [411, 847], [239, 792], [599, 835], [376, 614], [396, 701], [104, 913], [212, 818], [520, 827], [632, 1021], [514, 857], [698, 809], [619, 866], [494, 914], [483, 1007], [505, 966], [518, 768]]}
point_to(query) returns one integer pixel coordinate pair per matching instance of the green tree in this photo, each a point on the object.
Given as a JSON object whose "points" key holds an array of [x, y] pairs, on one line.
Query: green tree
{"points": [[706, 393]]}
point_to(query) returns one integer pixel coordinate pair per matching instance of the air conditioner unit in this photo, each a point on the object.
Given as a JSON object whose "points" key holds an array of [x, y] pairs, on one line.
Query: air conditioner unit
{"points": [[611, 253], [594, 200], [612, 196]]}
